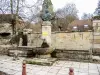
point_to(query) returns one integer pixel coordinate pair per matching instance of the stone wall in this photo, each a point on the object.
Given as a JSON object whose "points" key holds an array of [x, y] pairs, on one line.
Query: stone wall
{"points": [[72, 41], [35, 40], [96, 37], [63, 40], [4, 49], [66, 45]]}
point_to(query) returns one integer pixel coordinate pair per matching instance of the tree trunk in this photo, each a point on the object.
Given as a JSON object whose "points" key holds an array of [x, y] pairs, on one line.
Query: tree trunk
{"points": [[12, 16], [16, 16]]}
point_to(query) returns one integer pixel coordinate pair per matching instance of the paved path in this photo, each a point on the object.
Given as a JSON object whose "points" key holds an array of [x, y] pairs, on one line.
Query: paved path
{"points": [[59, 68]]}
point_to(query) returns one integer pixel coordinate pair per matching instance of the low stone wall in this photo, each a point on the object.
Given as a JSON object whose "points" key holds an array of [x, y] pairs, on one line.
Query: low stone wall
{"points": [[63, 40], [78, 55], [74, 45], [34, 40], [76, 41], [21, 51]]}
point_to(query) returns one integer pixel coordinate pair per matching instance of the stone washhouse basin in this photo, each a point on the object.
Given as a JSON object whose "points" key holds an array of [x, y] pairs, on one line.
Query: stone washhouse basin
{"points": [[42, 51]]}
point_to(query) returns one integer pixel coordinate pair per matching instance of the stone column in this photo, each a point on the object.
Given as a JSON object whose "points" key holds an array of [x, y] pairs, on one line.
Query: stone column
{"points": [[46, 31], [95, 36], [20, 42], [96, 25]]}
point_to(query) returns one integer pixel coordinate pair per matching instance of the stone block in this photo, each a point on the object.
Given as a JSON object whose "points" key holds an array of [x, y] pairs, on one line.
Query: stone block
{"points": [[39, 61]]}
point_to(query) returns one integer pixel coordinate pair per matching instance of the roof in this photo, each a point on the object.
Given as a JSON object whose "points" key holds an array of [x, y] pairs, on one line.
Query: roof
{"points": [[6, 18], [80, 24]]}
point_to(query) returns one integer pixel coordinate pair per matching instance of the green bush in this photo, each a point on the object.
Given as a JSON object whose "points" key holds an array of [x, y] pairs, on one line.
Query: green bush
{"points": [[96, 18]]}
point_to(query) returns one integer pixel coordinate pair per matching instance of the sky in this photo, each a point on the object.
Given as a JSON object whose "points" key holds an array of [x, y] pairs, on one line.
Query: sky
{"points": [[83, 6]]}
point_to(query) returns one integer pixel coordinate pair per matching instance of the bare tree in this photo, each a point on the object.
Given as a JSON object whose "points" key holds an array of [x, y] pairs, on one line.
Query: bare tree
{"points": [[68, 9], [65, 16], [20, 8], [86, 16], [4, 6]]}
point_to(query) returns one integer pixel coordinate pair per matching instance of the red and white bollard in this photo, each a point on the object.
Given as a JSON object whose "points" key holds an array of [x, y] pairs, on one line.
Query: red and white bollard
{"points": [[71, 71], [24, 68]]}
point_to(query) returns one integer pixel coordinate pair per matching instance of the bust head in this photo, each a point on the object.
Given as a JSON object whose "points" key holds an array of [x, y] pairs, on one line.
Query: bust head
{"points": [[47, 10]]}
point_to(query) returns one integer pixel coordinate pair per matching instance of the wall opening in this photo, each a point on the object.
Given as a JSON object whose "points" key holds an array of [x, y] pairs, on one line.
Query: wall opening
{"points": [[4, 34]]}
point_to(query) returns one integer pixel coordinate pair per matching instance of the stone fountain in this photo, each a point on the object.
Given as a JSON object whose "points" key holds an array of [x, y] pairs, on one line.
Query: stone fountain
{"points": [[46, 15], [45, 50], [43, 53]]}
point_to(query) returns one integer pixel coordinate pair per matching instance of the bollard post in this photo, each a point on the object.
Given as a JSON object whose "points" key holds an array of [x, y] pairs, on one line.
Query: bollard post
{"points": [[71, 71], [24, 68]]}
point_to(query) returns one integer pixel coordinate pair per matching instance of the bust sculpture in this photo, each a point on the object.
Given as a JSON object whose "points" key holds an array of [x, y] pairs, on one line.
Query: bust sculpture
{"points": [[47, 11]]}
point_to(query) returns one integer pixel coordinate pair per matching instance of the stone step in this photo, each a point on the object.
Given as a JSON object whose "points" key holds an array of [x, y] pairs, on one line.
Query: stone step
{"points": [[41, 61], [96, 51], [96, 58], [71, 51], [73, 54], [21, 51], [22, 48]]}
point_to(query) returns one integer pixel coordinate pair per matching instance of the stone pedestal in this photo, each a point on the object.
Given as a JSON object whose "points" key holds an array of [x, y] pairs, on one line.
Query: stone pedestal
{"points": [[46, 31], [45, 50]]}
